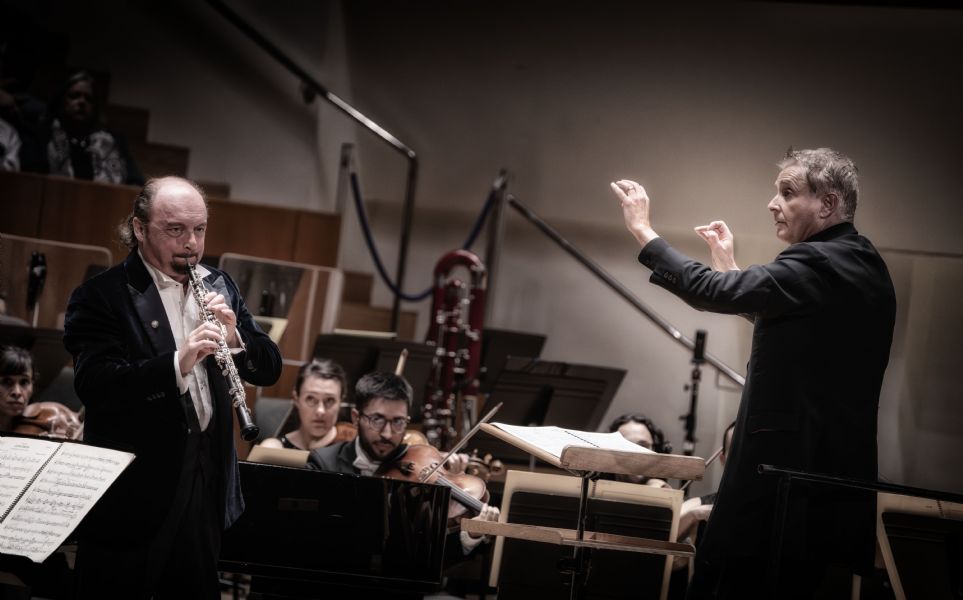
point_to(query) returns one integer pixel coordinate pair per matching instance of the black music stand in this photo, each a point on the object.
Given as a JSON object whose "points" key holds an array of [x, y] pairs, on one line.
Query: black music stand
{"points": [[359, 355], [537, 392], [498, 345]]}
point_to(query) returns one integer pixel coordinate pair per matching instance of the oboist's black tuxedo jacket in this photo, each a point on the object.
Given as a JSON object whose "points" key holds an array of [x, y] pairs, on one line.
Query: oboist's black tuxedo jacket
{"points": [[823, 312], [123, 348]]}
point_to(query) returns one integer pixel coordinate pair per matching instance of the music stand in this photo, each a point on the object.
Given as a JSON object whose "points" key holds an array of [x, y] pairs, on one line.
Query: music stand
{"points": [[523, 569], [536, 392], [498, 345], [359, 355]]}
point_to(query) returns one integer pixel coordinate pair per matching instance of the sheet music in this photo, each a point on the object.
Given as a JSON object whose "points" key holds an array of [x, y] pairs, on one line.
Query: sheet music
{"points": [[64, 491], [553, 439], [20, 458]]}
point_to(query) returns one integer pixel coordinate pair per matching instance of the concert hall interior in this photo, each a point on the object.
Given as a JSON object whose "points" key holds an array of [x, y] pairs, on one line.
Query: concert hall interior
{"points": [[349, 147]]}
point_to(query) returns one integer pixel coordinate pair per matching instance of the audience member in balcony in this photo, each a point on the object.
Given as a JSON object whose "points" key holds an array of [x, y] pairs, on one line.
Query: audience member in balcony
{"points": [[318, 392], [20, 111], [639, 429], [75, 142], [9, 147]]}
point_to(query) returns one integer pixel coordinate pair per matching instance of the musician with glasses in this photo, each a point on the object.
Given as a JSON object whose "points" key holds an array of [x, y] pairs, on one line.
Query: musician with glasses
{"points": [[381, 408], [146, 373], [381, 415]]}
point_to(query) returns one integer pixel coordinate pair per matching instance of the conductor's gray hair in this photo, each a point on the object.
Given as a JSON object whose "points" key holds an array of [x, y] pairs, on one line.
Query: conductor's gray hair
{"points": [[828, 171], [142, 205]]}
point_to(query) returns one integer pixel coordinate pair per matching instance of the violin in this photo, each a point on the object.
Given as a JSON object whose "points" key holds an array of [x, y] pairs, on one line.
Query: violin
{"points": [[50, 419], [414, 463]]}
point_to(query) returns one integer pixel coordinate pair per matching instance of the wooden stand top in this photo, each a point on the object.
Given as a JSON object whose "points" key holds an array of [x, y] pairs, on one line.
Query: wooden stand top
{"points": [[663, 466], [569, 537], [588, 459]]}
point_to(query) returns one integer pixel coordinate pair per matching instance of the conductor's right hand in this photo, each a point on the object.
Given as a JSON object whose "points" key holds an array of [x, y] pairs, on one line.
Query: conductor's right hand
{"points": [[201, 343]]}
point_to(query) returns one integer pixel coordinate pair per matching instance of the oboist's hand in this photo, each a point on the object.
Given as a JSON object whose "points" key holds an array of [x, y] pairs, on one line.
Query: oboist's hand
{"points": [[720, 241], [635, 209], [218, 306], [201, 343]]}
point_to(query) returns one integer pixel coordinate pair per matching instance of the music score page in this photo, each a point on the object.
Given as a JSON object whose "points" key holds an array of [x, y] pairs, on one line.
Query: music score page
{"points": [[55, 488]]}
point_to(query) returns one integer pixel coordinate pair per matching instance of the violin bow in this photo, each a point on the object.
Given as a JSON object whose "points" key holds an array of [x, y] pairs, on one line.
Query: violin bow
{"points": [[402, 359], [463, 441], [714, 456]]}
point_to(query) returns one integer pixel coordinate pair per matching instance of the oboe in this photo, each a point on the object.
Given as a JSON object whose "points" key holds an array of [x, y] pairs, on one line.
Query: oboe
{"points": [[249, 431]]}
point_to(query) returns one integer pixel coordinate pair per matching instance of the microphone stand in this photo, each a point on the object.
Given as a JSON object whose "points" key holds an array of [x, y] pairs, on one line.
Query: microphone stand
{"points": [[698, 357]]}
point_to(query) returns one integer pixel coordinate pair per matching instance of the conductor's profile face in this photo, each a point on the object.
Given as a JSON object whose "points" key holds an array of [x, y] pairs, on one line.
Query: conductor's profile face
{"points": [[174, 232], [795, 207], [381, 426]]}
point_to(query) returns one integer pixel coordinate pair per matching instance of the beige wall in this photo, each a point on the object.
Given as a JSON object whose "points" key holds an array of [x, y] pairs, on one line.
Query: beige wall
{"points": [[698, 104]]}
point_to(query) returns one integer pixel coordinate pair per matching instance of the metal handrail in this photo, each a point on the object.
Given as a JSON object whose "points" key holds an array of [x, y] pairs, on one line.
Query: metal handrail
{"points": [[313, 85], [621, 290]]}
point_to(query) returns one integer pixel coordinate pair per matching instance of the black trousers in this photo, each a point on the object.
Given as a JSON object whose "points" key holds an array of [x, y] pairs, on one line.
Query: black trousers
{"points": [[181, 561]]}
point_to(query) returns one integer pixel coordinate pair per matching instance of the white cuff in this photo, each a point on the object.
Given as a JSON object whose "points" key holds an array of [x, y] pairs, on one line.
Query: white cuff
{"points": [[181, 383]]}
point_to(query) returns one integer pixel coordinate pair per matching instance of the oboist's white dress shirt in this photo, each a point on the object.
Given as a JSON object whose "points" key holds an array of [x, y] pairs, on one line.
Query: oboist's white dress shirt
{"points": [[183, 316]]}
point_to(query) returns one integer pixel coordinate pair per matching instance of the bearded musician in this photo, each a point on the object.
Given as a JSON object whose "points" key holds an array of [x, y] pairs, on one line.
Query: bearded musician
{"points": [[382, 402]]}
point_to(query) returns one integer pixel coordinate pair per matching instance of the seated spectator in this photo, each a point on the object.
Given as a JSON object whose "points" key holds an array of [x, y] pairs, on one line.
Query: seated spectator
{"points": [[20, 111], [76, 144], [639, 429], [318, 392], [9, 147]]}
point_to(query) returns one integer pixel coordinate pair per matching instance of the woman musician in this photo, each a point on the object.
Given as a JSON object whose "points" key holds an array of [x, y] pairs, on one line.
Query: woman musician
{"points": [[318, 392], [47, 419]]}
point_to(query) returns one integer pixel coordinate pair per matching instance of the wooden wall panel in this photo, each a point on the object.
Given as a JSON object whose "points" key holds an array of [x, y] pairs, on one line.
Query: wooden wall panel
{"points": [[316, 239], [21, 196], [251, 229], [83, 212], [66, 266]]}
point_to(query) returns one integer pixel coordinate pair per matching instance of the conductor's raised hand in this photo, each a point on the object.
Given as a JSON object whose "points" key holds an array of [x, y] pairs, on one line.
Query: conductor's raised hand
{"points": [[720, 241], [223, 313], [201, 343], [635, 209]]}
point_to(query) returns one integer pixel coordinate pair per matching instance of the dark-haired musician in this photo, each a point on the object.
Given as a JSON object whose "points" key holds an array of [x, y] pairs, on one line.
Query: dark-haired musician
{"points": [[639, 429], [823, 314], [146, 375], [319, 389], [381, 408], [16, 384]]}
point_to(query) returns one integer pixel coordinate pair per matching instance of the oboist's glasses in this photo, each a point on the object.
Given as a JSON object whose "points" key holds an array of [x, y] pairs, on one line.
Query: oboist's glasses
{"points": [[377, 422]]}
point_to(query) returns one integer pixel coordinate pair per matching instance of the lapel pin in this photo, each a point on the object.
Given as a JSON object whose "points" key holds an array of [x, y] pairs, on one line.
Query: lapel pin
{"points": [[154, 324]]}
